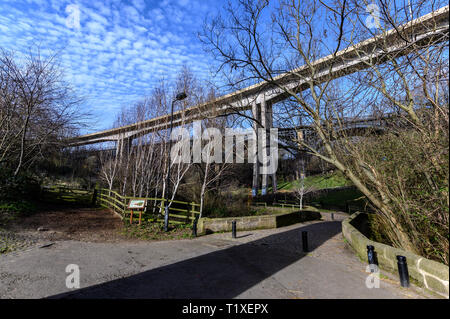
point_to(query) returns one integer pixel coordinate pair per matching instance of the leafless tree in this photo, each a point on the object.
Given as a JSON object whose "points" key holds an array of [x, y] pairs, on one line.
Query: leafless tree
{"points": [[38, 109], [258, 41], [302, 189]]}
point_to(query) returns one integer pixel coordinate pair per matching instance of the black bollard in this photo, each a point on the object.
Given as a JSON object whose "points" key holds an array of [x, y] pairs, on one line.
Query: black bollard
{"points": [[403, 271], [371, 255], [233, 228], [332, 216], [305, 241], [194, 227]]}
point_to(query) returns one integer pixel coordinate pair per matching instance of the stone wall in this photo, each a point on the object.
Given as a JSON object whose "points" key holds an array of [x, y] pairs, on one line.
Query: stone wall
{"points": [[211, 225], [424, 272]]}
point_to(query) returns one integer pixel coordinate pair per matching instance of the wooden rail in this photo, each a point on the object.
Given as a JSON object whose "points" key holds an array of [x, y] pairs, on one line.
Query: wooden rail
{"points": [[179, 212], [62, 193]]}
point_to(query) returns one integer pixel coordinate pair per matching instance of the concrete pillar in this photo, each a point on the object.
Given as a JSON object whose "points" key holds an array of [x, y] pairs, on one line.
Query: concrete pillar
{"points": [[300, 137], [269, 119], [263, 114], [267, 122], [256, 111], [123, 146], [265, 119]]}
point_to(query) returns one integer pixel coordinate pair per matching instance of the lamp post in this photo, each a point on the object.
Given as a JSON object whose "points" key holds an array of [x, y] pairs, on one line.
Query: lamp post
{"points": [[179, 97]]}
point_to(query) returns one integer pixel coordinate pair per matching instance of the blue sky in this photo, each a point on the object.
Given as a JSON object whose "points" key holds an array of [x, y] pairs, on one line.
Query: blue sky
{"points": [[121, 48]]}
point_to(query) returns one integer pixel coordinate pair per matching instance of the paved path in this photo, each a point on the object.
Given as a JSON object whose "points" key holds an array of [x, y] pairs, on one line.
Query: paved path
{"points": [[258, 264]]}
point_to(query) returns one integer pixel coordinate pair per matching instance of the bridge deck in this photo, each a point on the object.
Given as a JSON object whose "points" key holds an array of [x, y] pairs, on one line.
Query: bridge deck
{"points": [[421, 31]]}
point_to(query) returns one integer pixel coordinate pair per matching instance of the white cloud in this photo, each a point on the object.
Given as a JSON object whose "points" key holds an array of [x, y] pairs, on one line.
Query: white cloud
{"points": [[121, 50]]}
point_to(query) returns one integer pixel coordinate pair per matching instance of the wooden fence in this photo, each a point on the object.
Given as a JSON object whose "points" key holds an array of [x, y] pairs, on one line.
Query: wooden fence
{"points": [[65, 194], [179, 212]]}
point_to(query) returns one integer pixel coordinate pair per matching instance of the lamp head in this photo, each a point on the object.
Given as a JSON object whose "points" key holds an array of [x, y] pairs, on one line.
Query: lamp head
{"points": [[181, 96]]}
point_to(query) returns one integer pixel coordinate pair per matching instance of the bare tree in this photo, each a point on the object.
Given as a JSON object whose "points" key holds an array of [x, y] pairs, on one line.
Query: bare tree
{"points": [[249, 47], [109, 167], [37, 109], [302, 189]]}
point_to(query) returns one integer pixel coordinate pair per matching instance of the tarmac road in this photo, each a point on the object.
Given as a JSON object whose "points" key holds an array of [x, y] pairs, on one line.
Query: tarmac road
{"points": [[257, 264]]}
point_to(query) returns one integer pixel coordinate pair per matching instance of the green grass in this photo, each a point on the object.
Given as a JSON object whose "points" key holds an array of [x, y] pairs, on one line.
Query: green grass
{"points": [[340, 198], [18, 206], [155, 231], [54, 195], [318, 181], [10, 210]]}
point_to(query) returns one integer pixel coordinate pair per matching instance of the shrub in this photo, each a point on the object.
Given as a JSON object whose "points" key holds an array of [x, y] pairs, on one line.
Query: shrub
{"points": [[21, 187], [410, 173]]}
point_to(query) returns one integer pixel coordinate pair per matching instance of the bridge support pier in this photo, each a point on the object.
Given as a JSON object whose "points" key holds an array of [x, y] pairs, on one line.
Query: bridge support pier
{"points": [[256, 111], [123, 146], [262, 113]]}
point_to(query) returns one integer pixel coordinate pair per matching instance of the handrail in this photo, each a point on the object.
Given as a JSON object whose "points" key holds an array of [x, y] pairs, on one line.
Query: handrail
{"points": [[111, 191]]}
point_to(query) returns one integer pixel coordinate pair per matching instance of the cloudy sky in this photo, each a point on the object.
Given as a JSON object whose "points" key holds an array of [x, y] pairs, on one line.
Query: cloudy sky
{"points": [[118, 50]]}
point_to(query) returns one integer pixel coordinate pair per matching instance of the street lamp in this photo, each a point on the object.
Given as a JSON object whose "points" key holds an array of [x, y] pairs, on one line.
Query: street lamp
{"points": [[179, 97]]}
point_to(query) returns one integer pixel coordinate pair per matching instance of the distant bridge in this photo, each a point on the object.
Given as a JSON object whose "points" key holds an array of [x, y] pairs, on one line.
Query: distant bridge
{"points": [[430, 28]]}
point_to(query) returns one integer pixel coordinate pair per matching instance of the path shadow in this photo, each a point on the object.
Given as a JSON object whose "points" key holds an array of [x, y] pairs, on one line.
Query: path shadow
{"points": [[224, 273], [242, 236]]}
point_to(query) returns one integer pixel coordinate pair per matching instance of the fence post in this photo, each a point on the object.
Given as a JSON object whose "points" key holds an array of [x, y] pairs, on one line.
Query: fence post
{"points": [[94, 197], [193, 209], [161, 209], [125, 205], [194, 227]]}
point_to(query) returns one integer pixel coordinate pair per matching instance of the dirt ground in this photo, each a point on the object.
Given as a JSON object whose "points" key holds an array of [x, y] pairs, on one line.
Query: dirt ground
{"points": [[70, 223], [55, 222]]}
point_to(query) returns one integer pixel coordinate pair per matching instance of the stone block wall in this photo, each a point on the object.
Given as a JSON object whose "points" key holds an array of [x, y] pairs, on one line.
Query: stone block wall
{"points": [[211, 225], [426, 273]]}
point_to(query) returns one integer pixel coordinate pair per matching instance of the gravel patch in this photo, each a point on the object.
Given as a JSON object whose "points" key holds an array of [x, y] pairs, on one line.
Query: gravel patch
{"points": [[10, 241]]}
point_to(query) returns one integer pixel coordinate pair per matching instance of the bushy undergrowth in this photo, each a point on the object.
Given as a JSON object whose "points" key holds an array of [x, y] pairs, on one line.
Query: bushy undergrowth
{"points": [[17, 195], [22, 187], [230, 204], [409, 172], [230, 201]]}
